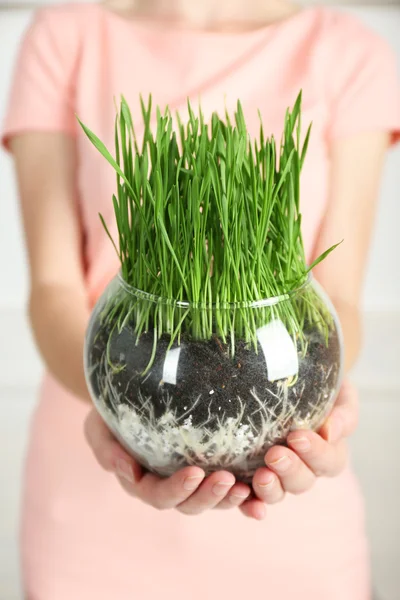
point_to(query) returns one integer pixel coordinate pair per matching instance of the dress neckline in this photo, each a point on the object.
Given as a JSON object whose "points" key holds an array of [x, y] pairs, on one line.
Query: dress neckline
{"points": [[172, 29]]}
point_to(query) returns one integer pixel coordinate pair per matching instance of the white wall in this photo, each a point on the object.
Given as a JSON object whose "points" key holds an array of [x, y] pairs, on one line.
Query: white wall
{"points": [[382, 290], [12, 264]]}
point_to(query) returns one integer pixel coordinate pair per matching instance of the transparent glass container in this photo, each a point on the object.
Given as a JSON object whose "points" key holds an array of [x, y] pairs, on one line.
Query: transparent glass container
{"points": [[211, 385]]}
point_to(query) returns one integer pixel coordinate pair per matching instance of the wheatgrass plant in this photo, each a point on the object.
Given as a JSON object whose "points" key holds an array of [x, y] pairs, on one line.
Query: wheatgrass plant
{"points": [[209, 224]]}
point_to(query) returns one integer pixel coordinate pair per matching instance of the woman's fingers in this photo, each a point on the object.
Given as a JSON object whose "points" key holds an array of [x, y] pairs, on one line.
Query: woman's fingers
{"points": [[343, 419], [267, 486], [165, 493], [212, 491], [254, 509], [237, 495], [295, 477], [101, 440], [321, 457], [168, 493], [108, 452]]}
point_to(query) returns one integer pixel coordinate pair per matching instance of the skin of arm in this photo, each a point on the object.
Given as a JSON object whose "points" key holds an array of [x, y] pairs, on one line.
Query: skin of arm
{"points": [[58, 307], [356, 169]]}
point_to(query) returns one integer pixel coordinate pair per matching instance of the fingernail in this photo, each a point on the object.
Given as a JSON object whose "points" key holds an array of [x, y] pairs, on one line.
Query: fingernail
{"points": [[124, 469], [268, 483], [191, 483], [281, 465], [335, 429], [237, 498], [220, 489], [300, 443]]}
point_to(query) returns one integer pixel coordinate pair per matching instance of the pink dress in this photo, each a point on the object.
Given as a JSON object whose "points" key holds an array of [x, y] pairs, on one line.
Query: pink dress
{"points": [[82, 537]]}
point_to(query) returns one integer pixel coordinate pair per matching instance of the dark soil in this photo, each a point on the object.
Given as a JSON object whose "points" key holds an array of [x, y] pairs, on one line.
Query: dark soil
{"points": [[205, 369]]}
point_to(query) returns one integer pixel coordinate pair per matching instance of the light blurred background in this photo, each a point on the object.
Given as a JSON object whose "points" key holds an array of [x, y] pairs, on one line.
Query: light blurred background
{"points": [[376, 446]]}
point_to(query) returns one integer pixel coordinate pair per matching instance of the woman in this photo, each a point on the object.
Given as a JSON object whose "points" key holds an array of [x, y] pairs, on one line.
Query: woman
{"points": [[82, 536]]}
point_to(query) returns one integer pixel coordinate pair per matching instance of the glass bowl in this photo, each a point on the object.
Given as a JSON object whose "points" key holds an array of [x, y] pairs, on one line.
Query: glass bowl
{"points": [[213, 385]]}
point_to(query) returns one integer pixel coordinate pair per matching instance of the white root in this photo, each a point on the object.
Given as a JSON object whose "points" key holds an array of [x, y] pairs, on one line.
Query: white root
{"points": [[167, 443]]}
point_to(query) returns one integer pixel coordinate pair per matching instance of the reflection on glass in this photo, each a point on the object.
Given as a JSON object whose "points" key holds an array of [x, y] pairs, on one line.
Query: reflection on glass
{"points": [[279, 349], [170, 369]]}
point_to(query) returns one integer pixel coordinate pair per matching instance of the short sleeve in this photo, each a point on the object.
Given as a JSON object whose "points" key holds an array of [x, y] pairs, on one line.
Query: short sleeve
{"points": [[42, 89], [364, 85]]}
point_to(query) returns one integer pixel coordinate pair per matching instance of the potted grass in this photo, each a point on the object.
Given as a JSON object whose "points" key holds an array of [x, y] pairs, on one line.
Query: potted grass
{"points": [[213, 341]]}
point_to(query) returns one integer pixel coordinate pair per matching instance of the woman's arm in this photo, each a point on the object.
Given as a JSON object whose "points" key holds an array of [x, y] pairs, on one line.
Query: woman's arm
{"points": [[356, 169], [58, 308]]}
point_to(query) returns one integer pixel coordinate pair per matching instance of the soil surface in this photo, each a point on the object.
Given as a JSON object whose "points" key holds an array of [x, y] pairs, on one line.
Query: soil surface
{"points": [[208, 379]]}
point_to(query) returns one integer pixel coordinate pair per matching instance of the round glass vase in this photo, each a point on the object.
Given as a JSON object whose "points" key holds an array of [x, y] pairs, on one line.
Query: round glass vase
{"points": [[211, 385]]}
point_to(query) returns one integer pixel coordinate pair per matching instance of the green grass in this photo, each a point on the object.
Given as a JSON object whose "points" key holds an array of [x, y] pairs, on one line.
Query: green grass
{"points": [[208, 216]]}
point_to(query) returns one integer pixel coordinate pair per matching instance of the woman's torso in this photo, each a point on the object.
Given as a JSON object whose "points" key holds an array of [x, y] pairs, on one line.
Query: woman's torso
{"points": [[68, 497]]}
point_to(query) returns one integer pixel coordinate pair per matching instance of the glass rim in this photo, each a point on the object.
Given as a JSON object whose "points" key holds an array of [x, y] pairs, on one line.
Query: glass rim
{"points": [[273, 300]]}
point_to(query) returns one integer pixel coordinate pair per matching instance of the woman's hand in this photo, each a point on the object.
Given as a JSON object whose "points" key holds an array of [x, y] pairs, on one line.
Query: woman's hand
{"points": [[187, 491], [310, 455]]}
